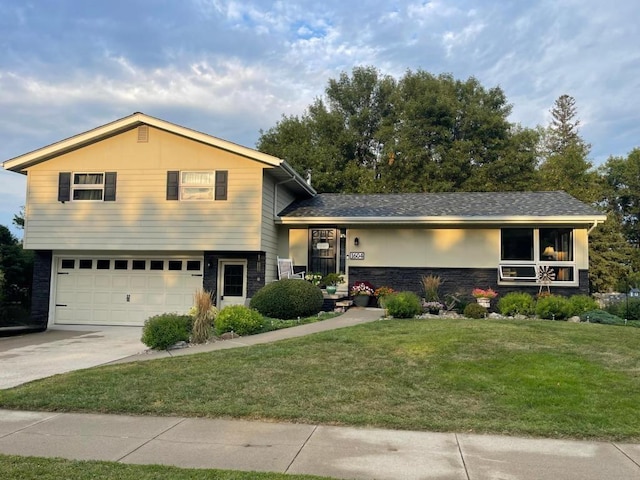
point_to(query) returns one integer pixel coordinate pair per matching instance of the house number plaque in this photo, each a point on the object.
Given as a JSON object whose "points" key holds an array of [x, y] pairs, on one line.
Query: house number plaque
{"points": [[356, 255]]}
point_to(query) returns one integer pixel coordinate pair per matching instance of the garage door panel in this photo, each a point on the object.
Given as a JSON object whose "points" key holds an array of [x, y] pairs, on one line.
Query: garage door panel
{"points": [[99, 296]]}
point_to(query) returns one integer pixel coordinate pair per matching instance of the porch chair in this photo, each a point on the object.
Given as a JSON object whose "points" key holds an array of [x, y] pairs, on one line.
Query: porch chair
{"points": [[285, 269]]}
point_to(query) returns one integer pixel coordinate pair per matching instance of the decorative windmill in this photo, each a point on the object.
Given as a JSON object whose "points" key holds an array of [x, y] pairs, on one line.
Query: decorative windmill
{"points": [[546, 275]]}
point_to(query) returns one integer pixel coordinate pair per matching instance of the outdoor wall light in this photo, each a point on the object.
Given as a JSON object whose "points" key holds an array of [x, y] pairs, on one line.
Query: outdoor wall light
{"points": [[356, 241]]}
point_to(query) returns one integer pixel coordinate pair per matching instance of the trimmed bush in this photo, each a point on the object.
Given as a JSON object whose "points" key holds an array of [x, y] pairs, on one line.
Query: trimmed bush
{"points": [[403, 305], [553, 307], [287, 299], [600, 316], [239, 319], [474, 310], [516, 303], [162, 331], [581, 303]]}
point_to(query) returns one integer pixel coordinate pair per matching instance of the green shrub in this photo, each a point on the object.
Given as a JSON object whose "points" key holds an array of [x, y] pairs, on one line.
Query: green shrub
{"points": [[162, 331], [288, 298], [620, 309], [600, 316], [403, 305], [516, 303], [240, 319], [474, 310], [553, 307], [581, 303]]}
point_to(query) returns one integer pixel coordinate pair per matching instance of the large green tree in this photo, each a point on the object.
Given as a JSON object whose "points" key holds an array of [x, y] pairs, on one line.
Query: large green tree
{"points": [[371, 133], [565, 163]]}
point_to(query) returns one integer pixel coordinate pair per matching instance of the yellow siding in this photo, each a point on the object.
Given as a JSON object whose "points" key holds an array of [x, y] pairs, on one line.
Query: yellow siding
{"points": [[299, 246], [141, 218], [445, 247]]}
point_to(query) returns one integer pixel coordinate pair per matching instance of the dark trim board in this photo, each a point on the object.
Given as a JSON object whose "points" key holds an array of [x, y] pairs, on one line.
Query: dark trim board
{"points": [[41, 290], [455, 281]]}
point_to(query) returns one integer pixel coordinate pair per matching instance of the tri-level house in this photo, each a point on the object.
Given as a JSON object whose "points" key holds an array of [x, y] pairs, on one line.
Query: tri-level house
{"points": [[127, 220]]}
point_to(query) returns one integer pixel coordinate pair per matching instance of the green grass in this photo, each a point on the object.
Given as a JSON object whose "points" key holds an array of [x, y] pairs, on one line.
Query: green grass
{"points": [[27, 468], [537, 378]]}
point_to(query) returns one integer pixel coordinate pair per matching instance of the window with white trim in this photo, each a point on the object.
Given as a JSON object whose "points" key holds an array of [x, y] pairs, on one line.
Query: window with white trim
{"points": [[196, 185], [524, 251], [87, 186]]}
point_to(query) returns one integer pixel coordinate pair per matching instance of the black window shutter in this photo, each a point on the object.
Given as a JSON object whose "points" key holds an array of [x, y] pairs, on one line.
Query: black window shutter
{"points": [[172, 185], [110, 186], [64, 186], [221, 185]]}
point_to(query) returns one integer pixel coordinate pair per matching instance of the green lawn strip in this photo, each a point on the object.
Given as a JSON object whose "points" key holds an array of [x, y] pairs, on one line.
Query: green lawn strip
{"points": [[37, 468], [271, 324], [538, 378]]}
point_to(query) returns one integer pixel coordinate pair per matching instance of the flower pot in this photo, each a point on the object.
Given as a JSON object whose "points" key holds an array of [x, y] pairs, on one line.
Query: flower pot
{"points": [[331, 289], [485, 302], [361, 300]]}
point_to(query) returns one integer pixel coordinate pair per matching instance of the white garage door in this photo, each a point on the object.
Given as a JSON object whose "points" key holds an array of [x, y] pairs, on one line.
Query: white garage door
{"points": [[117, 291]]}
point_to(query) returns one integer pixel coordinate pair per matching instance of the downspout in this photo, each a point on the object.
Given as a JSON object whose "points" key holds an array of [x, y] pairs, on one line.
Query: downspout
{"points": [[595, 224]]}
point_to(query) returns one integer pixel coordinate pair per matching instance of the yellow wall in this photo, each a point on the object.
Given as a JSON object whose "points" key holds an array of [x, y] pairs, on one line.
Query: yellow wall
{"points": [[141, 218], [440, 247]]}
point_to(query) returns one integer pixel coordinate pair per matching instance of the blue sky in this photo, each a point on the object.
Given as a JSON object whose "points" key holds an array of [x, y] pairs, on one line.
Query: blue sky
{"points": [[231, 68]]}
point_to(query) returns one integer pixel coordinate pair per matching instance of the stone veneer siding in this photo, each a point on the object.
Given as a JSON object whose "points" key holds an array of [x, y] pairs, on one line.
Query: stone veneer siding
{"points": [[41, 290], [255, 270], [457, 281]]}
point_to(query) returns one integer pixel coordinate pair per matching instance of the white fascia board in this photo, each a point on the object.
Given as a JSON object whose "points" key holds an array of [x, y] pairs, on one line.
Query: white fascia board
{"points": [[560, 220], [19, 164]]}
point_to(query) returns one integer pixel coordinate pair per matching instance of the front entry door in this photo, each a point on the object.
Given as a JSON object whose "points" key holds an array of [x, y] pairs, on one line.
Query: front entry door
{"points": [[232, 282], [322, 250]]}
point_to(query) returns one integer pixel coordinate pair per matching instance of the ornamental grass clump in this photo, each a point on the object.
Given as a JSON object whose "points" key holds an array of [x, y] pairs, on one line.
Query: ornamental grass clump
{"points": [[431, 286], [204, 314]]}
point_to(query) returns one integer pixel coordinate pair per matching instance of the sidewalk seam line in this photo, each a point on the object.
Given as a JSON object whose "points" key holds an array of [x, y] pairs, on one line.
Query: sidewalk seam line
{"points": [[182, 420], [55, 415], [304, 444], [625, 454], [464, 464]]}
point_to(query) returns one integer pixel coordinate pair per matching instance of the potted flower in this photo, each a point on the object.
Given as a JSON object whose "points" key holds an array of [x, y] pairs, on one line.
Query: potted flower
{"points": [[314, 278], [361, 292], [332, 280], [484, 297], [433, 307]]}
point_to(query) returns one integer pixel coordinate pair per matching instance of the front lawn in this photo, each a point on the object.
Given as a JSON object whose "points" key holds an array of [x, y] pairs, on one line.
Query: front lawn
{"points": [[12, 467], [539, 378]]}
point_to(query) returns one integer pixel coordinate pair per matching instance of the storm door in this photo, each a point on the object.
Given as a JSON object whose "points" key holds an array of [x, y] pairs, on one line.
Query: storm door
{"points": [[232, 282], [322, 250]]}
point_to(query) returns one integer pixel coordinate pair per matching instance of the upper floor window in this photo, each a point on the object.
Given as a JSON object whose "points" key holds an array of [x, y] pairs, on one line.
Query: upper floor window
{"points": [[196, 185], [88, 186], [190, 185]]}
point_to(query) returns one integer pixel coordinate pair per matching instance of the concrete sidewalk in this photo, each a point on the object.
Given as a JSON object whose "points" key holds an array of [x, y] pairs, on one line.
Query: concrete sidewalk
{"points": [[337, 452]]}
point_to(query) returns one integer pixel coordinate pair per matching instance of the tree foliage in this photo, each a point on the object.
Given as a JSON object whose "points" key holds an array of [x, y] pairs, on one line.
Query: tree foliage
{"points": [[16, 266], [565, 164], [422, 133]]}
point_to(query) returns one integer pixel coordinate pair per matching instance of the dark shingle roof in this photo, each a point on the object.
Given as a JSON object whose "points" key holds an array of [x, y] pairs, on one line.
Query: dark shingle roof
{"points": [[455, 204]]}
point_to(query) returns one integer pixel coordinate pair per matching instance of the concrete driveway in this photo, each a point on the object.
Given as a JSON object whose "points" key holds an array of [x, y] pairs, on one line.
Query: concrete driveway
{"points": [[60, 349]]}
